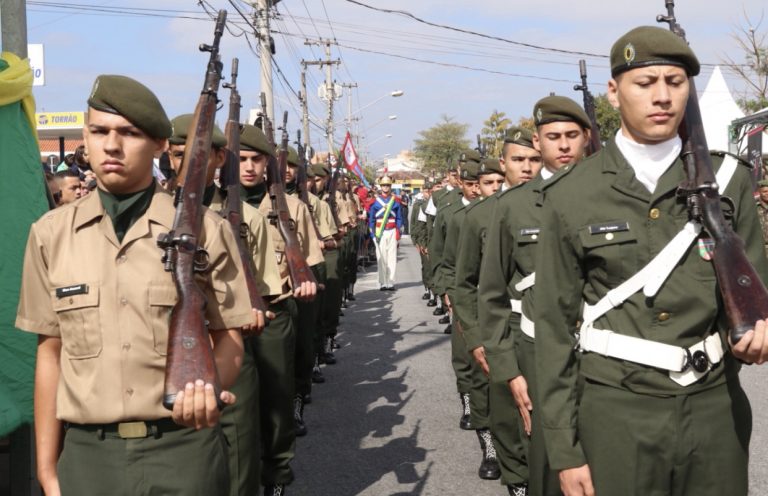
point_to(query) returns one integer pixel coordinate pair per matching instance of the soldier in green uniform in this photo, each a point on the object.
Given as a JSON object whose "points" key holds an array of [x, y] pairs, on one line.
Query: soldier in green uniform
{"points": [[418, 228], [520, 162], [489, 177], [240, 422], [275, 347], [661, 410], [762, 210], [467, 192], [561, 137], [103, 325]]}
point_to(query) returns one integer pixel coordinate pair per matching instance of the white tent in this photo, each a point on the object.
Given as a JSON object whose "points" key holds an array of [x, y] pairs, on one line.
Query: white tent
{"points": [[718, 109]]}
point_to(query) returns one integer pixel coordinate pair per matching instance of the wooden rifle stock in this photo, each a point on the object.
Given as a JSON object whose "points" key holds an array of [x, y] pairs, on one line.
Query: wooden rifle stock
{"points": [[330, 190], [233, 207], [589, 107], [190, 355], [297, 265], [744, 294]]}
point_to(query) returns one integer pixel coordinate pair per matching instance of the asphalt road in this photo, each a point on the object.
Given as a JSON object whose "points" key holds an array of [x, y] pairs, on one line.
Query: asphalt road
{"points": [[386, 420]]}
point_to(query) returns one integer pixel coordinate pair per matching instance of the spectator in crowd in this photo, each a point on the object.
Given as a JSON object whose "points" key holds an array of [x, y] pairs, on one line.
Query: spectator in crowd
{"points": [[69, 185], [53, 189]]}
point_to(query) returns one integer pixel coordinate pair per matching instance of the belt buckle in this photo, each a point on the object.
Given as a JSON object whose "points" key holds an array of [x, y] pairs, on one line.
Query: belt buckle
{"points": [[132, 430], [698, 360]]}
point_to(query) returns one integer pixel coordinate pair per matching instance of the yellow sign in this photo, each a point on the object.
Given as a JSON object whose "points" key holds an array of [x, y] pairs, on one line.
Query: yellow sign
{"points": [[60, 120]]}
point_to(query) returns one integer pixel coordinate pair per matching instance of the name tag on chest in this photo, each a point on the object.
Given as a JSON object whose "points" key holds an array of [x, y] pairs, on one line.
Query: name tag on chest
{"points": [[76, 289], [608, 227]]}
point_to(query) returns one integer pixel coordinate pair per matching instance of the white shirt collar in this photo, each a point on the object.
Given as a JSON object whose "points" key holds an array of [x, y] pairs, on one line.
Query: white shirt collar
{"points": [[546, 173], [649, 162], [465, 201]]}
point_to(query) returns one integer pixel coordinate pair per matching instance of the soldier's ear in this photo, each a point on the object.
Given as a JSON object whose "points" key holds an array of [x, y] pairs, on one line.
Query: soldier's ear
{"points": [[613, 92]]}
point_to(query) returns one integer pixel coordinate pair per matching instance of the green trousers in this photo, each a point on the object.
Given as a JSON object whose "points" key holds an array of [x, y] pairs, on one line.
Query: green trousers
{"points": [[461, 361], [542, 480], [425, 270], [320, 275], [240, 423], [275, 351], [329, 314], [687, 445], [478, 392], [509, 438], [183, 461], [306, 332]]}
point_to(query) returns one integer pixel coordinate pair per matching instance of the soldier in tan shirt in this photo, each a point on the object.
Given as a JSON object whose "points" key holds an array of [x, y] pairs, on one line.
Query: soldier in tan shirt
{"points": [[103, 326], [275, 348]]}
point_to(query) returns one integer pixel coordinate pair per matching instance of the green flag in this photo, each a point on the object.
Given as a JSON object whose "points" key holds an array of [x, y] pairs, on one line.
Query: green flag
{"points": [[22, 201]]}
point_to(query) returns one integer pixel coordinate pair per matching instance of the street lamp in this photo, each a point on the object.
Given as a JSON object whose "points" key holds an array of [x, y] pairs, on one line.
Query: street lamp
{"points": [[378, 139], [393, 94]]}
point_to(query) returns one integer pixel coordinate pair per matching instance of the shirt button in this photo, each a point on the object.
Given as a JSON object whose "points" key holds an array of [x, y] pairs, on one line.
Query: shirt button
{"points": [[123, 301], [129, 391], [609, 236], [126, 346], [663, 316], [122, 259], [654, 213]]}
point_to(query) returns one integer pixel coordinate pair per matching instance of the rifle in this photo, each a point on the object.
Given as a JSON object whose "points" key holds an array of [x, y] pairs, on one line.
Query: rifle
{"points": [[589, 106], [482, 149], [330, 190], [233, 207], [190, 356], [301, 183], [744, 294], [280, 215]]}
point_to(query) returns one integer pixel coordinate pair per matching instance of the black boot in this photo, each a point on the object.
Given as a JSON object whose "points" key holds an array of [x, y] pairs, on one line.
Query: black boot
{"points": [[446, 319], [298, 416], [489, 467], [448, 329], [519, 489], [439, 311], [351, 293], [465, 423], [328, 357], [432, 302], [307, 399], [334, 344], [425, 296], [275, 490], [317, 374]]}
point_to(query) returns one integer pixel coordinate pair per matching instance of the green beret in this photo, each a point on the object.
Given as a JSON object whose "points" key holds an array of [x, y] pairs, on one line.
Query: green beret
{"points": [[763, 183], [129, 98], [253, 139], [180, 126], [651, 45], [559, 109], [452, 166], [310, 171], [490, 166], [471, 155], [319, 170], [519, 136], [293, 157], [470, 171]]}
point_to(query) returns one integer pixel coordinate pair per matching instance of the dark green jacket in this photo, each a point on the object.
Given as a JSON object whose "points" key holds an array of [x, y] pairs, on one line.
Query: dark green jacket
{"points": [[437, 244], [578, 262]]}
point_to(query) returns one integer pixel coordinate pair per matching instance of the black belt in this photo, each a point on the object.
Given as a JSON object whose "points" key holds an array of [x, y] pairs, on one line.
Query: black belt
{"points": [[129, 430]]}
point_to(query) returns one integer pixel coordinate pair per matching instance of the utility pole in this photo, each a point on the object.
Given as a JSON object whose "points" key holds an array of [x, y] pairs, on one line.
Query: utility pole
{"points": [[266, 48], [14, 26], [349, 86], [330, 90], [305, 106]]}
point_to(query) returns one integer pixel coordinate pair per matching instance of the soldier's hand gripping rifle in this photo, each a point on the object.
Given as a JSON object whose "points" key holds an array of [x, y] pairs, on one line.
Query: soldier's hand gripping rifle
{"points": [[233, 207], [297, 266], [589, 107], [744, 294], [190, 356]]}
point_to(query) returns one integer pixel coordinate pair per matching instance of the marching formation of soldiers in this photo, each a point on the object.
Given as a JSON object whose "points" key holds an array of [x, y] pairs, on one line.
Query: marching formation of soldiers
{"points": [[588, 337], [103, 327]]}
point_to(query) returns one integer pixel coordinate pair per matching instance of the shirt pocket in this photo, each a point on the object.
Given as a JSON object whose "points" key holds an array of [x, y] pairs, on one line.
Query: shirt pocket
{"points": [[162, 299], [610, 257], [79, 323]]}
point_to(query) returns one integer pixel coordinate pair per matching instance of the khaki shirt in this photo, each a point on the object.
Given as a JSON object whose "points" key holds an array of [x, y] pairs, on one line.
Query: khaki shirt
{"points": [[259, 245], [305, 233], [762, 214], [321, 213], [113, 321]]}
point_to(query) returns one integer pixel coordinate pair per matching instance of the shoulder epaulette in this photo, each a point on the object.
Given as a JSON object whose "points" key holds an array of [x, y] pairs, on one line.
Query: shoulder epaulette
{"points": [[722, 154]]}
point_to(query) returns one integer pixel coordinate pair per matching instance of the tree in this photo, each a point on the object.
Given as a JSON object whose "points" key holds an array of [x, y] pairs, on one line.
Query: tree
{"points": [[441, 144], [492, 134], [754, 70], [608, 118]]}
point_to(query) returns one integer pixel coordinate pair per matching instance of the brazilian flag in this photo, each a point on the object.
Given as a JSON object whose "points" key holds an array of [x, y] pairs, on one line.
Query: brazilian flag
{"points": [[22, 201]]}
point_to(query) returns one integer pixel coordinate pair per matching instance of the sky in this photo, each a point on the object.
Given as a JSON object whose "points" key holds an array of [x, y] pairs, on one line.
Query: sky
{"points": [[155, 41]]}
